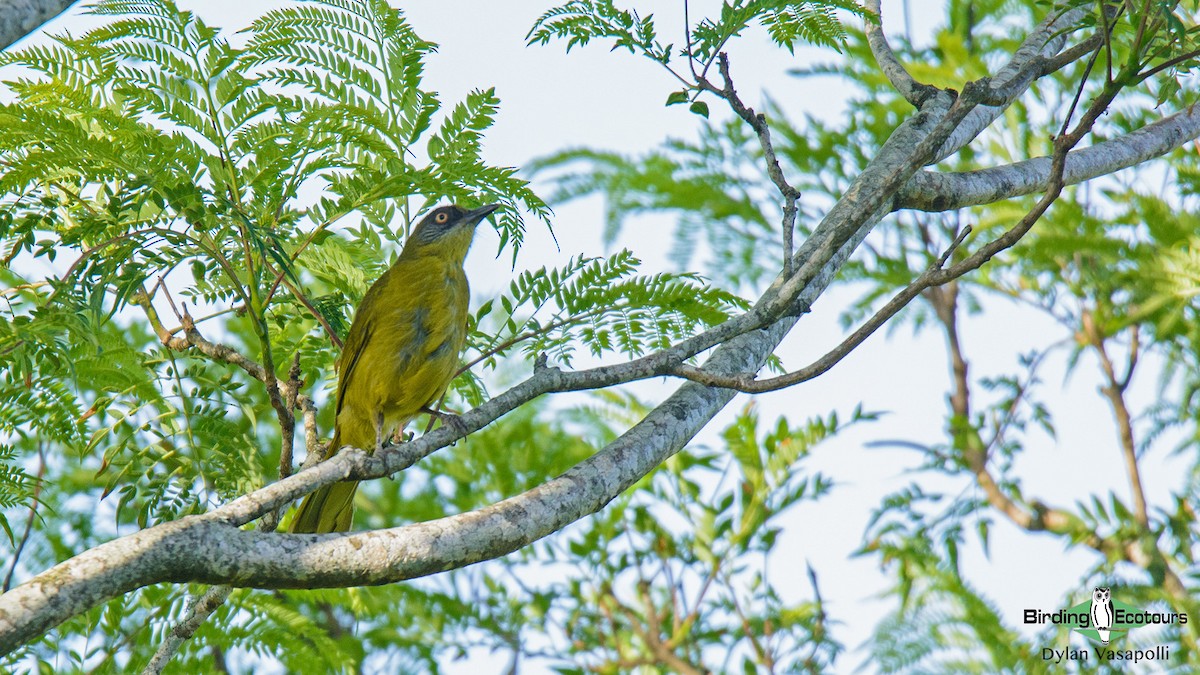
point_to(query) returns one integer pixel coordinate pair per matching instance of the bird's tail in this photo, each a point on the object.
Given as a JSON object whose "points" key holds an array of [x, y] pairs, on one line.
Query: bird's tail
{"points": [[329, 509]]}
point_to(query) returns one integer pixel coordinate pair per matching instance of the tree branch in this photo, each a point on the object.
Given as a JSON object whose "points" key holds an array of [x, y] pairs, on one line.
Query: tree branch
{"points": [[193, 340], [914, 92], [935, 191], [199, 609], [758, 122], [1047, 38], [19, 18]]}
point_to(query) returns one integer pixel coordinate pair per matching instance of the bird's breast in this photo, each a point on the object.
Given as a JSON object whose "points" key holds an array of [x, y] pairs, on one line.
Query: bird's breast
{"points": [[429, 323]]}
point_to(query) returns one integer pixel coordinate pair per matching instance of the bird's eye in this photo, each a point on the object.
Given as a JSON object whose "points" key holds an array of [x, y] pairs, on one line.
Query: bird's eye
{"points": [[441, 218]]}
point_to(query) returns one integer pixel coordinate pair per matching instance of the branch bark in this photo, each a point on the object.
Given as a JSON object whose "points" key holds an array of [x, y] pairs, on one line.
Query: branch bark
{"points": [[934, 191], [901, 80], [19, 18], [1017, 75]]}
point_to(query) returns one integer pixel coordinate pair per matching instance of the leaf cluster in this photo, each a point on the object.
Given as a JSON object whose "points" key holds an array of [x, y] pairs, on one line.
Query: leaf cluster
{"points": [[601, 304], [674, 562], [581, 21]]}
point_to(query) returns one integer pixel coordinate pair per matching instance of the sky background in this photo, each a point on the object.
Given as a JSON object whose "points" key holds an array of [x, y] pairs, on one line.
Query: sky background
{"points": [[551, 100]]}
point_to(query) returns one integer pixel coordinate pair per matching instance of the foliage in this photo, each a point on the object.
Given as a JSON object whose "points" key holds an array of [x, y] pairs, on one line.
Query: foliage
{"points": [[1114, 265], [252, 193], [581, 21], [599, 303], [150, 158]]}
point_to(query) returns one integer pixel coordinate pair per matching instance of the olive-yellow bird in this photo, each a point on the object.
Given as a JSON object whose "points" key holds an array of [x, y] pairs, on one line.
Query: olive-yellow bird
{"points": [[402, 351]]}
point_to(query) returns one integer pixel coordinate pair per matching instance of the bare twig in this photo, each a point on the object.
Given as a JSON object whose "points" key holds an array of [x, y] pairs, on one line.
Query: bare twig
{"points": [[22, 287], [819, 629], [758, 122], [170, 301], [200, 607], [312, 441], [211, 315], [521, 337], [746, 383], [1114, 391], [1087, 70], [193, 340], [290, 393], [302, 298], [1170, 63], [33, 508], [764, 655]]}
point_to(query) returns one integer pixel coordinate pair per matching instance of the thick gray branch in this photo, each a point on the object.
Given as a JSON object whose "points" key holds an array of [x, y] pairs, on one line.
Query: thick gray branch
{"points": [[933, 191], [19, 18], [1015, 77]]}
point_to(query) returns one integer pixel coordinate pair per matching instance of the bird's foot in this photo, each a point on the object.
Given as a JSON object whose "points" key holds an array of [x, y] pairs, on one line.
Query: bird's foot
{"points": [[378, 433], [448, 420]]}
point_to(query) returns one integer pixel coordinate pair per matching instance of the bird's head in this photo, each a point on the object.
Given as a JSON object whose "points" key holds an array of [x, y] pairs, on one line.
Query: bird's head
{"points": [[447, 231]]}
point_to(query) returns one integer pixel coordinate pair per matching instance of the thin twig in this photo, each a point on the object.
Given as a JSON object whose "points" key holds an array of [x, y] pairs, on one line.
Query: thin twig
{"points": [[291, 391], [1114, 391], [206, 317], [33, 507], [932, 276], [312, 441], [819, 621], [193, 340], [22, 287], [1087, 70], [758, 122], [517, 339], [200, 607], [170, 301], [1170, 64], [303, 300]]}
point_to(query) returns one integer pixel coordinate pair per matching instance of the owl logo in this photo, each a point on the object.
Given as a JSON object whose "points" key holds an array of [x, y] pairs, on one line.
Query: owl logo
{"points": [[1102, 612]]}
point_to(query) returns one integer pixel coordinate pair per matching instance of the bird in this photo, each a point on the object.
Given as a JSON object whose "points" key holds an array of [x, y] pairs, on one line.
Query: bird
{"points": [[402, 350]]}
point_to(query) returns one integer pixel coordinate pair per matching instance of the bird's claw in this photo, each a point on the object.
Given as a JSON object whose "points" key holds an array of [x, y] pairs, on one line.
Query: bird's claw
{"points": [[448, 420]]}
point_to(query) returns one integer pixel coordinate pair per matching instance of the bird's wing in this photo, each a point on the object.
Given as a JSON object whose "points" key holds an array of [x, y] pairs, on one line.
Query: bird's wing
{"points": [[356, 343], [386, 328], [350, 356]]}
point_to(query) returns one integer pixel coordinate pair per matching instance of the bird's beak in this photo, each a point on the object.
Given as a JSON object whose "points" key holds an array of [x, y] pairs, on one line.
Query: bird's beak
{"points": [[475, 215]]}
